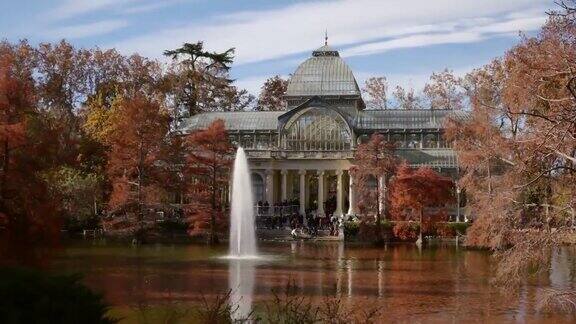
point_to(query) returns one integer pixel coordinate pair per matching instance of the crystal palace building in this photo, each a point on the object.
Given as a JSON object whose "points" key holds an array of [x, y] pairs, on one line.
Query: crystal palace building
{"points": [[303, 154]]}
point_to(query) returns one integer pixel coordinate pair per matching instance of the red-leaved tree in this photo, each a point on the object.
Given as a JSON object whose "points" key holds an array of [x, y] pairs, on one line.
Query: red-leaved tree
{"points": [[28, 211], [375, 163], [415, 190], [517, 152], [209, 160], [134, 163]]}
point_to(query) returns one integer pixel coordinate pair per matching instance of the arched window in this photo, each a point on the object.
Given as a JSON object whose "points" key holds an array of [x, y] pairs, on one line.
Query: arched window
{"points": [[363, 139], [233, 140], [257, 187], [414, 141], [263, 141], [431, 141], [247, 141], [317, 130]]}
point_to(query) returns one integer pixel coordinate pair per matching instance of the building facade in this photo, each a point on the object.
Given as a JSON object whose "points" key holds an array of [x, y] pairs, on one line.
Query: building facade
{"points": [[304, 153]]}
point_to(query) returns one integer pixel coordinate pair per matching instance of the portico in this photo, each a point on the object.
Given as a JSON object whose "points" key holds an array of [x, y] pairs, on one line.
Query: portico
{"points": [[311, 188]]}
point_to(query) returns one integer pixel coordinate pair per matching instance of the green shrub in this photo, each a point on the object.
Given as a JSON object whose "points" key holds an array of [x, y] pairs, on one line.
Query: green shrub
{"points": [[351, 229], [386, 225], [173, 226], [32, 296], [459, 227]]}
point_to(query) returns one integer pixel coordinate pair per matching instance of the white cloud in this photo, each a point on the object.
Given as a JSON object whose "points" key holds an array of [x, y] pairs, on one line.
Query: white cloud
{"points": [[72, 8], [269, 34], [466, 32], [413, 41], [85, 30], [513, 25], [151, 6], [75, 8]]}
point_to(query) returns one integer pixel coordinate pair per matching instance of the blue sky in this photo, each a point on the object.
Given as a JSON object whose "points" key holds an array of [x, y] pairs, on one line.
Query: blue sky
{"points": [[405, 40]]}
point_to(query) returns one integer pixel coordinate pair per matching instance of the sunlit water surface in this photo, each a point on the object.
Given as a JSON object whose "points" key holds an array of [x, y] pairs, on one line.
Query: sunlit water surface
{"points": [[437, 284]]}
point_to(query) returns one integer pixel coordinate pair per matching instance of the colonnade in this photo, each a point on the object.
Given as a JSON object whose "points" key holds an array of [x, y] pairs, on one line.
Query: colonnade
{"points": [[288, 184], [285, 177]]}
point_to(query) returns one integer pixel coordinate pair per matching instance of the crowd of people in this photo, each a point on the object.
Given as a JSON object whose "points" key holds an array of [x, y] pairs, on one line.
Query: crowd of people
{"points": [[286, 215]]}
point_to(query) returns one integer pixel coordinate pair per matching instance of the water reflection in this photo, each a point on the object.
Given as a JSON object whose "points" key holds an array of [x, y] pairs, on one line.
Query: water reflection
{"points": [[560, 265], [380, 278], [439, 284], [340, 264], [241, 275]]}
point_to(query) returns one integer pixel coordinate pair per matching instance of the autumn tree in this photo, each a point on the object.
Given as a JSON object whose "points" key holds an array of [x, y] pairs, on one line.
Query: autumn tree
{"points": [[375, 163], [377, 90], [445, 91], [407, 99], [230, 98], [272, 94], [28, 212], [209, 160], [85, 111], [416, 190], [134, 164], [517, 149]]}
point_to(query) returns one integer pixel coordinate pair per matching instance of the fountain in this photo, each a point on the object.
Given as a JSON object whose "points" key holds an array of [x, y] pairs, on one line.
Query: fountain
{"points": [[242, 240], [242, 233]]}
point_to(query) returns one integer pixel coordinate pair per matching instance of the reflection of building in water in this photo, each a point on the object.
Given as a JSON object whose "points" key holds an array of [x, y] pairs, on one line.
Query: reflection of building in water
{"points": [[303, 154], [560, 265]]}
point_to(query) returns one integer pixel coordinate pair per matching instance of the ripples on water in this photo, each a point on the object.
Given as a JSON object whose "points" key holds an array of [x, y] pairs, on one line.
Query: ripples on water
{"points": [[438, 284]]}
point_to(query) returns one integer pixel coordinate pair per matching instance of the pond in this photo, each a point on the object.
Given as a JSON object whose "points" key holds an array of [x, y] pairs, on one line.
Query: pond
{"points": [[441, 283]]}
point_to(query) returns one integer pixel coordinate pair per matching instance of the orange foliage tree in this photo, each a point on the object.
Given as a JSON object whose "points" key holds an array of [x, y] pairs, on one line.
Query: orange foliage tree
{"points": [[209, 160], [518, 149], [415, 190], [134, 164], [28, 211], [373, 160], [272, 94]]}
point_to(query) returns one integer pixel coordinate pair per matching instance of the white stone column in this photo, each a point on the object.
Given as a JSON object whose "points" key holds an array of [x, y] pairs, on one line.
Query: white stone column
{"points": [[270, 187], [338, 212], [302, 174], [320, 201], [457, 203], [284, 193], [351, 195]]}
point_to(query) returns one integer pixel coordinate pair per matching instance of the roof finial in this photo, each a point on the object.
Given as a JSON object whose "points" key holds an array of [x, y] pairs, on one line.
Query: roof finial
{"points": [[326, 36]]}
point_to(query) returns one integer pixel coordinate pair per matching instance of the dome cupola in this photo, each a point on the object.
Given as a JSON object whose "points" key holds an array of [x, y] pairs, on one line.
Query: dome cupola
{"points": [[325, 74]]}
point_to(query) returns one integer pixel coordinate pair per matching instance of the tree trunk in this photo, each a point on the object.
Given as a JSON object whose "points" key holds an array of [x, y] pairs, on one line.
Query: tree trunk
{"points": [[379, 239], [213, 237], [420, 238], [5, 162], [489, 177], [140, 217]]}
